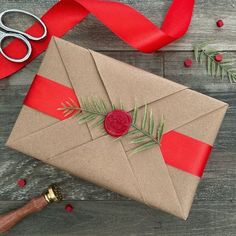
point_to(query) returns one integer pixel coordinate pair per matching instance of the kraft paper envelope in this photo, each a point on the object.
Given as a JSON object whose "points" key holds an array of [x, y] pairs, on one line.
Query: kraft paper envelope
{"points": [[86, 152]]}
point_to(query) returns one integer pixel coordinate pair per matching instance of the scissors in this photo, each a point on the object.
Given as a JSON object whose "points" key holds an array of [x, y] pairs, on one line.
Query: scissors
{"points": [[6, 32]]}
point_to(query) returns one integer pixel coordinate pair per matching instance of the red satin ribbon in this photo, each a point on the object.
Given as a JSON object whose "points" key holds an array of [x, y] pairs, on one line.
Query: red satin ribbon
{"points": [[127, 23], [179, 150], [47, 96], [185, 153]]}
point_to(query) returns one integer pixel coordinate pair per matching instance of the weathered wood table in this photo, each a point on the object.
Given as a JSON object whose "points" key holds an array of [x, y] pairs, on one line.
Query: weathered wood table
{"points": [[96, 210]]}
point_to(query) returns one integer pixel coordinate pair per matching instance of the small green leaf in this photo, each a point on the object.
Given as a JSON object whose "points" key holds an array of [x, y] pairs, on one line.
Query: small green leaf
{"points": [[144, 122], [73, 102], [121, 106], [217, 69], [68, 112], [229, 77], [68, 104], [209, 65], [104, 105], [151, 123], [227, 63], [98, 123], [222, 73], [201, 57], [113, 107], [233, 70], [63, 104], [84, 104], [87, 117], [140, 139], [211, 52], [96, 106], [213, 68], [203, 45], [93, 106], [234, 78], [143, 147], [132, 132], [196, 53], [160, 130], [135, 114]]}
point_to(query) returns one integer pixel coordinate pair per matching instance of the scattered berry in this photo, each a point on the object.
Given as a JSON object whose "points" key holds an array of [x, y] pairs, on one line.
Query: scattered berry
{"points": [[69, 207], [21, 183], [117, 123], [188, 63], [220, 23], [218, 57]]}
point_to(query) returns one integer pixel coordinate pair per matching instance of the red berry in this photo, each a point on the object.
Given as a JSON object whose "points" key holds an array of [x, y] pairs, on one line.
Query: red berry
{"points": [[218, 57], [220, 23], [117, 123], [188, 63], [69, 207], [21, 183]]}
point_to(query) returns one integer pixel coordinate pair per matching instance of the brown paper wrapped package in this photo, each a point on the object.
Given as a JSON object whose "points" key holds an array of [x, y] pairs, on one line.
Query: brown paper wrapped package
{"points": [[85, 152]]}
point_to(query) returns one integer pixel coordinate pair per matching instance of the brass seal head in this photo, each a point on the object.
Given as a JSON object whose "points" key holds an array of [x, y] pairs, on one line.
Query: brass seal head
{"points": [[53, 194]]}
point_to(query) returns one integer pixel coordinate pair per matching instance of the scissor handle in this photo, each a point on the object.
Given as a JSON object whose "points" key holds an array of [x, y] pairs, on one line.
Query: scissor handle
{"points": [[23, 39], [8, 29]]}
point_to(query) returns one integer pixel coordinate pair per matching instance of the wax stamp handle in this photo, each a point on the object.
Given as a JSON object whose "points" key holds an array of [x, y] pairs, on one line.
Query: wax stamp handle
{"points": [[8, 220]]}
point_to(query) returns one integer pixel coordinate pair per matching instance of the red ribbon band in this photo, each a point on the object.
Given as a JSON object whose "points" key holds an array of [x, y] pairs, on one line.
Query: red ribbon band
{"points": [[179, 150], [47, 96], [127, 23]]}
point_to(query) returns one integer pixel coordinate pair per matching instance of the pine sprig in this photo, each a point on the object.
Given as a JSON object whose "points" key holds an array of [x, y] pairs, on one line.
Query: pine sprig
{"points": [[221, 69], [89, 110], [92, 109], [68, 107], [145, 135]]}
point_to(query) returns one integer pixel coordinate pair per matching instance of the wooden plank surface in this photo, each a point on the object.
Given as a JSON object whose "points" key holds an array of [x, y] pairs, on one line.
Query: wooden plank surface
{"points": [[99, 211], [129, 218], [91, 33]]}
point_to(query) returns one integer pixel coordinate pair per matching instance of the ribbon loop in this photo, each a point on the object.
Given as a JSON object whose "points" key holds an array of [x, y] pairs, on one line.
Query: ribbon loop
{"points": [[127, 23]]}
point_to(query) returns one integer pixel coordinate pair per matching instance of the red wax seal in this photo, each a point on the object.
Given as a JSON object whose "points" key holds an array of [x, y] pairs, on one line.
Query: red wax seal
{"points": [[117, 123], [220, 23], [218, 57], [21, 183], [188, 63], [69, 207]]}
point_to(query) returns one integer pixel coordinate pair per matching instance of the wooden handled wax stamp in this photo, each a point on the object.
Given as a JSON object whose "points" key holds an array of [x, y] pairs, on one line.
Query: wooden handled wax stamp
{"points": [[8, 220]]}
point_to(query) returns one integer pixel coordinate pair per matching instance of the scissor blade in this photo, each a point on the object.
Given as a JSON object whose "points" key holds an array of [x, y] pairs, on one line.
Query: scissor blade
{"points": [[2, 34]]}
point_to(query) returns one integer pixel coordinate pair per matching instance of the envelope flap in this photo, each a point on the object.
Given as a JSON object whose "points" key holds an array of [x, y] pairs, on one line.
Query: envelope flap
{"points": [[81, 70], [104, 162], [31, 120], [127, 84], [94, 74]]}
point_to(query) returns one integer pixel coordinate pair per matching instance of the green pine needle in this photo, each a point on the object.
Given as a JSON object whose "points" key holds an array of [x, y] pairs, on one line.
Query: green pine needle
{"points": [[144, 122], [215, 69], [160, 130], [135, 115], [144, 135], [98, 123], [151, 123], [94, 109], [132, 132], [143, 147], [113, 107], [91, 109], [140, 139]]}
